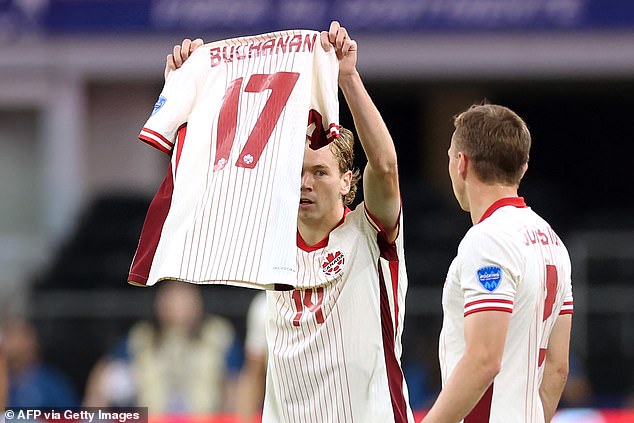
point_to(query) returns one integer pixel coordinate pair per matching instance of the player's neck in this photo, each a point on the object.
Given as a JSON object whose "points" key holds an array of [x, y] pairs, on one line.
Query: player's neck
{"points": [[313, 231], [482, 196]]}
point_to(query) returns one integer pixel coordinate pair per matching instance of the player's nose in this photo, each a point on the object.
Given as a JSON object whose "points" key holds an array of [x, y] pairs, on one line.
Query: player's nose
{"points": [[307, 181]]}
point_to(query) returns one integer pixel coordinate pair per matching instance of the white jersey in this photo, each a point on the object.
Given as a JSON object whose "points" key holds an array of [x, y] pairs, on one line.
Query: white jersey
{"points": [[511, 261], [235, 119], [334, 350]]}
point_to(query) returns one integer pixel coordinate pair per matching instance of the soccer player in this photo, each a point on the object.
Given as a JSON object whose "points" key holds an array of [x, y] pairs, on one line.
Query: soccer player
{"points": [[334, 350], [507, 300]]}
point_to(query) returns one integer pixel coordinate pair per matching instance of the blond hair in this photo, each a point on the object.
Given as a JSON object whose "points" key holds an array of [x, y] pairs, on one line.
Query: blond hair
{"points": [[342, 148]]}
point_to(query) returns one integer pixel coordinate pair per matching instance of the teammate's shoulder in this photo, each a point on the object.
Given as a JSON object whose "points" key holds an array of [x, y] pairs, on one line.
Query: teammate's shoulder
{"points": [[484, 235]]}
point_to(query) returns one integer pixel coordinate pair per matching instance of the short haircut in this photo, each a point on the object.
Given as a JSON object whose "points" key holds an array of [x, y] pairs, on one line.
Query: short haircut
{"points": [[342, 148], [496, 140]]}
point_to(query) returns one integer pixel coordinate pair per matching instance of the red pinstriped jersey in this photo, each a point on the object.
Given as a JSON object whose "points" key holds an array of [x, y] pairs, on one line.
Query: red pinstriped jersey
{"points": [[511, 261], [235, 119], [334, 350]]}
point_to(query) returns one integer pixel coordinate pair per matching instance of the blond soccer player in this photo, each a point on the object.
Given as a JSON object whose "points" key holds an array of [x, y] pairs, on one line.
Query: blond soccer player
{"points": [[334, 350]]}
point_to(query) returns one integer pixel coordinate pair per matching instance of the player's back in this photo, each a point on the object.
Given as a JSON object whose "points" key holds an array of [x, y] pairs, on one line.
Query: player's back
{"points": [[235, 116], [541, 271]]}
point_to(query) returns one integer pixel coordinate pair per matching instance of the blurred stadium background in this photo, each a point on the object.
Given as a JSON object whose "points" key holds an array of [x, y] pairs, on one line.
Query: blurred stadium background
{"points": [[78, 79]]}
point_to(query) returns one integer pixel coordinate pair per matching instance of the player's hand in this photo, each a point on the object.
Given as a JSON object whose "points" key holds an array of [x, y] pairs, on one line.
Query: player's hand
{"points": [[180, 53], [345, 48]]}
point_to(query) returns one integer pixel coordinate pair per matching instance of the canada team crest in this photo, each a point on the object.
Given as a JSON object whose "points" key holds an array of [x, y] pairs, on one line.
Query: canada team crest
{"points": [[333, 264]]}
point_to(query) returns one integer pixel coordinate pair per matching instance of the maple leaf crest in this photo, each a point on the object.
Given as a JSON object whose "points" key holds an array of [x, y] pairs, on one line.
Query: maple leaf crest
{"points": [[333, 263]]}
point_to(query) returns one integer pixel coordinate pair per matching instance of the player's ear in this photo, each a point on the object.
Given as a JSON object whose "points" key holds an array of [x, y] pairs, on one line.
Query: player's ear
{"points": [[524, 169], [346, 180], [463, 164]]}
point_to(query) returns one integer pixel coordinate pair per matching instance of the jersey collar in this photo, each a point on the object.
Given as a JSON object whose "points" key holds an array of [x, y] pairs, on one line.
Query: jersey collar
{"points": [[502, 202], [324, 242]]}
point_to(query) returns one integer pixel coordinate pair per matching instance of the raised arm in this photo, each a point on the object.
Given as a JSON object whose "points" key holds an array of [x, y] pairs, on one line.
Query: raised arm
{"points": [[556, 366], [380, 184]]}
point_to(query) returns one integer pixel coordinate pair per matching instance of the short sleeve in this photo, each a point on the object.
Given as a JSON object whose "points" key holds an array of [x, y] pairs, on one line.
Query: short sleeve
{"points": [[568, 305], [489, 273], [172, 107]]}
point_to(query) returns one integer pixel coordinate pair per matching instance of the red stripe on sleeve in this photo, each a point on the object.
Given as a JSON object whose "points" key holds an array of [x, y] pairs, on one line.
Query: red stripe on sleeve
{"points": [[158, 135], [477, 310], [154, 144], [492, 300]]}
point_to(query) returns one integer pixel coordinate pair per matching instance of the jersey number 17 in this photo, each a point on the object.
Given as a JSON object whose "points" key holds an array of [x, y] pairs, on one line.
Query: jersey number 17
{"points": [[281, 85]]}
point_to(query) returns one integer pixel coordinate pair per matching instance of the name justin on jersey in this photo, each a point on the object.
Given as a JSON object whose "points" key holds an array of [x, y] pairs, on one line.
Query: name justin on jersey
{"points": [[292, 44], [543, 236]]}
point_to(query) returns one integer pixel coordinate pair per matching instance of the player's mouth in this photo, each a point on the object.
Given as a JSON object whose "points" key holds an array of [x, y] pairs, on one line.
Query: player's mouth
{"points": [[305, 202]]}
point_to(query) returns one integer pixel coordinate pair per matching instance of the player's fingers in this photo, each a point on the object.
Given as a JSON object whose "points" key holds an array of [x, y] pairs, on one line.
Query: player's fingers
{"points": [[176, 54], [195, 44], [332, 32], [342, 36], [349, 46], [185, 44], [325, 41], [169, 65], [185, 48]]}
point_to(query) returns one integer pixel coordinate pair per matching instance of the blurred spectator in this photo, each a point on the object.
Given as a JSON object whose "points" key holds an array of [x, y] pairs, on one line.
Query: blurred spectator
{"points": [[181, 362], [253, 375], [31, 382]]}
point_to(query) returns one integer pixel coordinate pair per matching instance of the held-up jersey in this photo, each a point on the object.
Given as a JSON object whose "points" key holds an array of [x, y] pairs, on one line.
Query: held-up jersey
{"points": [[235, 119], [334, 350], [511, 261]]}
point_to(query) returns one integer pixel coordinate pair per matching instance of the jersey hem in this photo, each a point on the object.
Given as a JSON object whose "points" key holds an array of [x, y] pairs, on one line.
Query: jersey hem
{"points": [[274, 286]]}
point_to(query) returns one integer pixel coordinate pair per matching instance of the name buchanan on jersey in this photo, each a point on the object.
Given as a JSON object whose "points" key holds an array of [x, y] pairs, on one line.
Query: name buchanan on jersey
{"points": [[292, 44]]}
